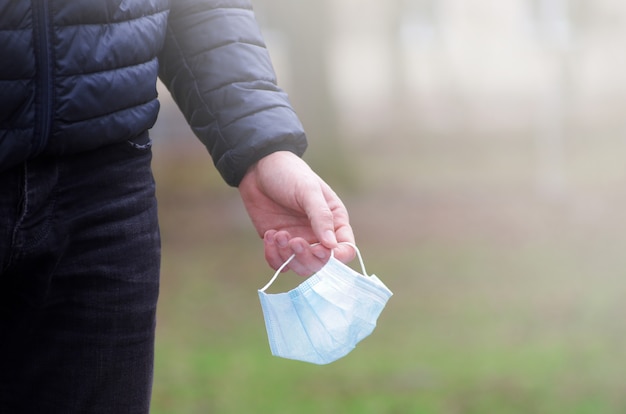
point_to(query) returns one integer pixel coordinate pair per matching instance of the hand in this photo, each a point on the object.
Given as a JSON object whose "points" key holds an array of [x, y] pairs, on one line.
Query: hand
{"points": [[291, 208]]}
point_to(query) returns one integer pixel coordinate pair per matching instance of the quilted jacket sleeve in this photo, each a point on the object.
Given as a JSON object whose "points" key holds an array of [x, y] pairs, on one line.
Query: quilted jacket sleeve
{"points": [[218, 71]]}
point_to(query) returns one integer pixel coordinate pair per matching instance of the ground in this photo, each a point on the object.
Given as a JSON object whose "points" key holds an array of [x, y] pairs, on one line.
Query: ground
{"points": [[508, 286]]}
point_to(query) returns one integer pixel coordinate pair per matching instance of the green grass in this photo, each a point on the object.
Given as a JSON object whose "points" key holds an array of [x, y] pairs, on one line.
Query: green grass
{"points": [[504, 301]]}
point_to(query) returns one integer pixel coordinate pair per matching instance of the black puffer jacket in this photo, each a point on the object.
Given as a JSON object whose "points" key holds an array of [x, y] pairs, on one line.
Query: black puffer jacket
{"points": [[79, 74]]}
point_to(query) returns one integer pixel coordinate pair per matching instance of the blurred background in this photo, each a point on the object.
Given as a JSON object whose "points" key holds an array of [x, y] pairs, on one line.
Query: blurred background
{"points": [[479, 148]]}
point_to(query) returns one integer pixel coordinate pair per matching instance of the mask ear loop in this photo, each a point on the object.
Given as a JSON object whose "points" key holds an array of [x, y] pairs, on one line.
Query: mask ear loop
{"points": [[358, 254], [332, 255]]}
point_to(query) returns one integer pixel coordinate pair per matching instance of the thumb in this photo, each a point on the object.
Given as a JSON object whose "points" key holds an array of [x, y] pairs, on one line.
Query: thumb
{"points": [[321, 217]]}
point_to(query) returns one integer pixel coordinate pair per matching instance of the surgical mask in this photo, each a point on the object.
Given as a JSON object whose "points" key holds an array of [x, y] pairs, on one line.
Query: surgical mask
{"points": [[323, 318]]}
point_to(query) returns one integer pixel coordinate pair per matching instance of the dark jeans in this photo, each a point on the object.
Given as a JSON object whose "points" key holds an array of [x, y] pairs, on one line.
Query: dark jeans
{"points": [[79, 270]]}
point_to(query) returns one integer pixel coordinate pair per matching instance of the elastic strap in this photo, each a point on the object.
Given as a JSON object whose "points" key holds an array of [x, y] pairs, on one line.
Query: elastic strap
{"points": [[332, 254]]}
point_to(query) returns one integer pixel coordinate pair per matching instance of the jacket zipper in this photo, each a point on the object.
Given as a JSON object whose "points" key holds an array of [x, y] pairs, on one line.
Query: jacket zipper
{"points": [[44, 74]]}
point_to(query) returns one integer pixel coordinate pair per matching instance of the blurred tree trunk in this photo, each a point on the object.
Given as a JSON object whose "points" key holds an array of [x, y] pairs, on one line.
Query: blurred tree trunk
{"points": [[554, 24], [308, 29], [399, 82]]}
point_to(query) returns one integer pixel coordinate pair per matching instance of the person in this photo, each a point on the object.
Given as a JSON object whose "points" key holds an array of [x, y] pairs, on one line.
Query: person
{"points": [[79, 238]]}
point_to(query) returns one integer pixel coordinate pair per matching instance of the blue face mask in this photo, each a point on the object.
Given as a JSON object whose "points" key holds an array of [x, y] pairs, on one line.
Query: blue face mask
{"points": [[325, 317]]}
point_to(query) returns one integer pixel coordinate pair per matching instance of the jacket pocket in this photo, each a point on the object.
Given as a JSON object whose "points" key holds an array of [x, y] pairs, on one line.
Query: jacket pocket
{"points": [[141, 143]]}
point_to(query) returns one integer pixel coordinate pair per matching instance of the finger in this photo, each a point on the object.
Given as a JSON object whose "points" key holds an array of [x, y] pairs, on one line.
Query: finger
{"points": [[272, 253], [343, 230], [321, 217], [321, 252], [281, 240], [344, 253], [306, 262], [277, 248]]}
